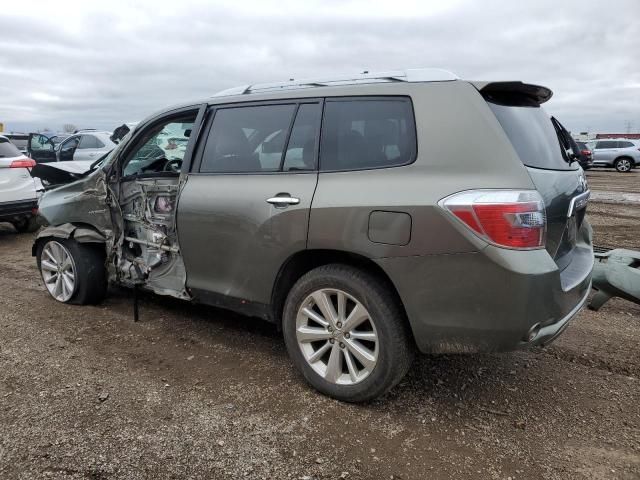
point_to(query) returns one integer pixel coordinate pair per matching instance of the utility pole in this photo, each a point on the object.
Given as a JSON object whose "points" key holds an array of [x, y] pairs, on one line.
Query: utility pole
{"points": [[628, 124]]}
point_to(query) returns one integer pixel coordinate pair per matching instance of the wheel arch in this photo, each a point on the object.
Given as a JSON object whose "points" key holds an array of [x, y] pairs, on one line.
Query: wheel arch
{"points": [[306, 260], [80, 232], [628, 157]]}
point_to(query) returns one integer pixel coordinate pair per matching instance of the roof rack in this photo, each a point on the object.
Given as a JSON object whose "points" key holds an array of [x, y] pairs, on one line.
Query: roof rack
{"points": [[410, 75]]}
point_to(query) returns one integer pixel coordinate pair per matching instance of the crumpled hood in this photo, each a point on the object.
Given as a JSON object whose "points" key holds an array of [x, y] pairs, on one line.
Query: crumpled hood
{"points": [[58, 173]]}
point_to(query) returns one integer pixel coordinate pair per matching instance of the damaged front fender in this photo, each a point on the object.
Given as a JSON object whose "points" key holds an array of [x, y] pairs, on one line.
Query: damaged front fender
{"points": [[79, 210], [68, 230]]}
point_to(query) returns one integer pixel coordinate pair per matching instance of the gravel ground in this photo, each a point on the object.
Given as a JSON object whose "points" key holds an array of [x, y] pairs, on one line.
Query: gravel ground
{"points": [[195, 392]]}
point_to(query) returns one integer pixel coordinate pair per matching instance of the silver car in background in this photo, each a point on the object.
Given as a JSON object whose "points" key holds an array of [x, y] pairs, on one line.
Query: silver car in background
{"points": [[621, 154]]}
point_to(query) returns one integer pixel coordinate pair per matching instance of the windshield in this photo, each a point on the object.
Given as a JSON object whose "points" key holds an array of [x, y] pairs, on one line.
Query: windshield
{"points": [[533, 136]]}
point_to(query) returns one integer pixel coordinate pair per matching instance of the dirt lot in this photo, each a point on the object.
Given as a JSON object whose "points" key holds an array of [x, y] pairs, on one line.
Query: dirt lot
{"points": [[195, 392]]}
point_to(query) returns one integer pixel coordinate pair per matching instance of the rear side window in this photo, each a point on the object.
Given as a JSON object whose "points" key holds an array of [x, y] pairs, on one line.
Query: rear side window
{"points": [[89, 141], [8, 149], [532, 135], [247, 139], [365, 133]]}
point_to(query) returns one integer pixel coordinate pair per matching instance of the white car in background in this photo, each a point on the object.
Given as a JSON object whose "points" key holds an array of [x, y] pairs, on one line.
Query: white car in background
{"points": [[18, 195], [85, 146]]}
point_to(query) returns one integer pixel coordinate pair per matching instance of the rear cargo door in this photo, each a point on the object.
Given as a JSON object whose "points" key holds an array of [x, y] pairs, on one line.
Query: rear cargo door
{"points": [[548, 156]]}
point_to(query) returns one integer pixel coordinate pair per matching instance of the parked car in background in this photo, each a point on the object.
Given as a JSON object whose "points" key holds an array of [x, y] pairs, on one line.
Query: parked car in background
{"points": [[18, 196], [85, 146], [20, 140], [621, 154], [348, 211], [585, 157]]}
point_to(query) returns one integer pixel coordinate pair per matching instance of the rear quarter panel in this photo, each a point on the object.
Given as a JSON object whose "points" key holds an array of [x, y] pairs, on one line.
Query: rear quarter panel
{"points": [[461, 146]]}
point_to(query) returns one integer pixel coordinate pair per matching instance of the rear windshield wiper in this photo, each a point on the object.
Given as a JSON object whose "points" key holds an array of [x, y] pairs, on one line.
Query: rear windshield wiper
{"points": [[566, 142]]}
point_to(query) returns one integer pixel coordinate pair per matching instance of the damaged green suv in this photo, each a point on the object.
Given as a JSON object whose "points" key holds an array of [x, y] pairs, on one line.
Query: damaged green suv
{"points": [[369, 216]]}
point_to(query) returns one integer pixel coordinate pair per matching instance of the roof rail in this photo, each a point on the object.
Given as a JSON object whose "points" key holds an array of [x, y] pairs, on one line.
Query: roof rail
{"points": [[410, 75]]}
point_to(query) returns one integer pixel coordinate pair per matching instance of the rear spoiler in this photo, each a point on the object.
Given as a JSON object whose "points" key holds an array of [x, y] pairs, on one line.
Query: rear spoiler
{"points": [[513, 94]]}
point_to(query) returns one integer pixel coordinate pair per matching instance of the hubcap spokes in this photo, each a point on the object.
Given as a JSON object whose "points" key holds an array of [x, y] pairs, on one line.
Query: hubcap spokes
{"points": [[58, 271], [624, 165], [337, 336]]}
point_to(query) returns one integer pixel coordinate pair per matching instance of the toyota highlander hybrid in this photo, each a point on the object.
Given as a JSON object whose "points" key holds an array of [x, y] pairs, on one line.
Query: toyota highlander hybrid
{"points": [[347, 211]]}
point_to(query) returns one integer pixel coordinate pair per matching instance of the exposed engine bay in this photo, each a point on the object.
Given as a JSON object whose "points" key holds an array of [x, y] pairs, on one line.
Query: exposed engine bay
{"points": [[149, 251]]}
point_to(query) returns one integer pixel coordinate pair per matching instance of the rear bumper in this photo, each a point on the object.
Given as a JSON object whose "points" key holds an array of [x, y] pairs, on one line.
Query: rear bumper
{"points": [[14, 210], [548, 334], [487, 301]]}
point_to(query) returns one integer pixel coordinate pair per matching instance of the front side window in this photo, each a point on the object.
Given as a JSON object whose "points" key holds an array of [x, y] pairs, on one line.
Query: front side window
{"points": [[70, 143], [161, 148], [607, 144], [622, 144], [247, 139], [68, 148], [367, 133]]}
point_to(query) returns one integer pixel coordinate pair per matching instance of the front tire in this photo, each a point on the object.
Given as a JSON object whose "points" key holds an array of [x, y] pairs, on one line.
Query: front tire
{"points": [[623, 165], [73, 272], [346, 333]]}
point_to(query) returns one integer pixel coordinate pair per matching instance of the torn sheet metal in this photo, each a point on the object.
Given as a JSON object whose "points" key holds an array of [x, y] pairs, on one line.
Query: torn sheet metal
{"points": [[616, 273]]}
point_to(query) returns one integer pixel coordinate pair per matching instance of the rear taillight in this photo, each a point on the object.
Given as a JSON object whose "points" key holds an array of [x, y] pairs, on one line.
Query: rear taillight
{"points": [[507, 218], [585, 152], [23, 163]]}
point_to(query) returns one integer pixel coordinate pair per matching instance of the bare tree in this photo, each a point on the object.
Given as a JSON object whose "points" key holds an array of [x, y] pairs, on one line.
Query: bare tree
{"points": [[69, 128]]}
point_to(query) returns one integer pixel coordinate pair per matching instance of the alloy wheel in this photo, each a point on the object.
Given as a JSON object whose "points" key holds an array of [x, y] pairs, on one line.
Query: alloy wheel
{"points": [[58, 271], [337, 336], [623, 165]]}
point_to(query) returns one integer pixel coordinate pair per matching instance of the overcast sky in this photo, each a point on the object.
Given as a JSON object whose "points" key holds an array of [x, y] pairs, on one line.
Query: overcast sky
{"points": [[99, 64]]}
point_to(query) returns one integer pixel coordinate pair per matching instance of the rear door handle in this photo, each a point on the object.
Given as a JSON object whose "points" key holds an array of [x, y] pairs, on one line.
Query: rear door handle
{"points": [[283, 200]]}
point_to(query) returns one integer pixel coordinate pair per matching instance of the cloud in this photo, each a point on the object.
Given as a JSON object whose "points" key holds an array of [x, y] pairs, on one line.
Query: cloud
{"points": [[96, 64]]}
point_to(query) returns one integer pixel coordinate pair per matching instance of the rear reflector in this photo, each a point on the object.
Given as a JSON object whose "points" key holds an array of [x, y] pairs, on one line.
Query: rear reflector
{"points": [[506, 218], [23, 163]]}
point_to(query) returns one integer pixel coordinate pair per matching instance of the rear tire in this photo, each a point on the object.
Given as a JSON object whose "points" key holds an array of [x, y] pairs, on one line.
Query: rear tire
{"points": [[27, 225], [80, 267], [623, 165], [371, 355]]}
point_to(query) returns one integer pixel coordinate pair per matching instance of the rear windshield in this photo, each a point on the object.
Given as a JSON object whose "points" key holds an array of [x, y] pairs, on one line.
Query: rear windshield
{"points": [[533, 136], [8, 149]]}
